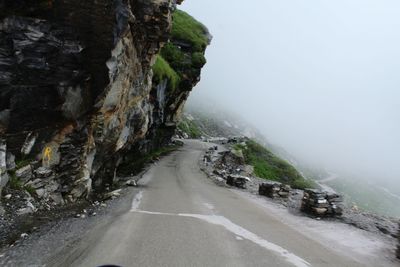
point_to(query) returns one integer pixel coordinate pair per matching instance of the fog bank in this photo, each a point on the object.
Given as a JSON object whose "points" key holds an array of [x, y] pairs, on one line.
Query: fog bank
{"points": [[319, 78]]}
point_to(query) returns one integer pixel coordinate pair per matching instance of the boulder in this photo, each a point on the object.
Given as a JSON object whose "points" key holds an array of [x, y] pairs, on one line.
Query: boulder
{"points": [[131, 183], [43, 172], [24, 235], [50, 186], [4, 178], [237, 181], [320, 211], [220, 173], [112, 194], [321, 204], [2, 211], [41, 193], [57, 198], [248, 170], [27, 210], [24, 174], [10, 161], [3, 165], [274, 190], [36, 184], [233, 158]]}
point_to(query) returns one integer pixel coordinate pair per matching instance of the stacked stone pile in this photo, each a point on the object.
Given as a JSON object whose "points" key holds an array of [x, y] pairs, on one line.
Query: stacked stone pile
{"points": [[320, 203], [274, 190]]}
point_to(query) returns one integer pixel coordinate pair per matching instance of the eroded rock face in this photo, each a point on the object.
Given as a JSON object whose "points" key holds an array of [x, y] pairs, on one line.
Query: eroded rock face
{"points": [[76, 89]]}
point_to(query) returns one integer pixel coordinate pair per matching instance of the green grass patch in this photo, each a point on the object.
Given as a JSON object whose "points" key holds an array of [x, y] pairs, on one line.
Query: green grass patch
{"points": [[30, 189], [303, 184], [162, 70], [198, 60], [268, 166], [22, 162], [181, 59], [188, 29], [173, 55], [190, 128], [14, 182]]}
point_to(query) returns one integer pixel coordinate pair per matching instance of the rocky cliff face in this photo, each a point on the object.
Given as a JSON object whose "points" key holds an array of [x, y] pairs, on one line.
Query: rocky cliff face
{"points": [[77, 92]]}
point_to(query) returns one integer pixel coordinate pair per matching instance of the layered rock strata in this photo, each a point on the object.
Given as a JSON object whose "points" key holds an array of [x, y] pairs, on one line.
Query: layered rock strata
{"points": [[77, 92]]}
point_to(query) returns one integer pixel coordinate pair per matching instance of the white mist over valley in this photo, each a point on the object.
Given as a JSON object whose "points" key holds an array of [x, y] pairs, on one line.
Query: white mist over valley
{"points": [[318, 79]]}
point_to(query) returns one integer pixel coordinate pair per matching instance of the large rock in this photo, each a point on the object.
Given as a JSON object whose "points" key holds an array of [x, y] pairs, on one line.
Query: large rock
{"points": [[321, 204], [274, 190], [77, 91], [30, 208], [231, 160], [2, 211], [10, 161], [3, 165], [24, 174], [237, 181]]}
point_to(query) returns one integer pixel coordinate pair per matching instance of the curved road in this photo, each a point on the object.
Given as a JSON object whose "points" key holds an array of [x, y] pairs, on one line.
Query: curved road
{"points": [[181, 218]]}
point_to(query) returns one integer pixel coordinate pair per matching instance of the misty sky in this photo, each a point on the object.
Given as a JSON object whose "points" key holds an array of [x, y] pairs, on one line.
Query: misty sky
{"points": [[319, 78]]}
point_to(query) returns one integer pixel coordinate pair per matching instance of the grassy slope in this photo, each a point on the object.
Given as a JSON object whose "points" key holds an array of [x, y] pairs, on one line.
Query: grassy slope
{"points": [[186, 28], [162, 70], [173, 63], [268, 166], [190, 128]]}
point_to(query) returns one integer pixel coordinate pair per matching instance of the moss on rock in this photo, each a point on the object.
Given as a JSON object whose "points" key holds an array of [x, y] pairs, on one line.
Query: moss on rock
{"points": [[162, 70], [186, 28]]}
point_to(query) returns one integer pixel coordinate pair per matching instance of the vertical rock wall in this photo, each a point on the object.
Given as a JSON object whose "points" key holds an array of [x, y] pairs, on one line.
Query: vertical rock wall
{"points": [[77, 92]]}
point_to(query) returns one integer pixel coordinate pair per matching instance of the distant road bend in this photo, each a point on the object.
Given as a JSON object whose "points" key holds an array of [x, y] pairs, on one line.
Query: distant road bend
{"points": [[180, 218]]}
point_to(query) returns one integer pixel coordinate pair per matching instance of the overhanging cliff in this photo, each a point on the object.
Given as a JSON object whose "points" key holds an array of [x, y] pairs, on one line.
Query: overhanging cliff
{"points": [[78, 96]]}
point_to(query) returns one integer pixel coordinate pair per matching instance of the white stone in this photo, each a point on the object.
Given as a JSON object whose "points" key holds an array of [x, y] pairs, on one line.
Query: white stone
{"points": [[24, 235]]}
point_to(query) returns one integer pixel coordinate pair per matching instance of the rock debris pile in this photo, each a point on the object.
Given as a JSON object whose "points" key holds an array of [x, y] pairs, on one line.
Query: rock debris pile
{"points": [[226, 167], [274, 190], [323, 204], [237, 181]]}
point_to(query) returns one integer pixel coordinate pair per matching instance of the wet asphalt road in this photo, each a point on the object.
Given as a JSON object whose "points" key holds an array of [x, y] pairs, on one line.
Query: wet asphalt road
{"points": [[180, 218]]}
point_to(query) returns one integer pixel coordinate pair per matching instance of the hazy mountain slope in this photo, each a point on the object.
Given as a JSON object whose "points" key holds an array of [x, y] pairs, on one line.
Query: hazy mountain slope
{"points": [[212, 121]]}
